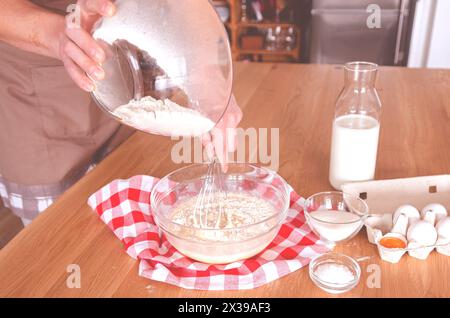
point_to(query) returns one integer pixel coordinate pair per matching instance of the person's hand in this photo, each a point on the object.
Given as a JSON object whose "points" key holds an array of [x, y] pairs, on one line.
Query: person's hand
{"points": [[79, 52], [222, 139]]}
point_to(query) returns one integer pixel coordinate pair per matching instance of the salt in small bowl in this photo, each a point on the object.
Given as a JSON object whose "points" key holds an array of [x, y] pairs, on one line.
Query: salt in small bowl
{"points": [[338, 259]]}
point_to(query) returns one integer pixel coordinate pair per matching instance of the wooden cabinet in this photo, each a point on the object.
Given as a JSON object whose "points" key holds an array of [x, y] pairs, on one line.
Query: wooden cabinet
{"points": [[238, 28]]}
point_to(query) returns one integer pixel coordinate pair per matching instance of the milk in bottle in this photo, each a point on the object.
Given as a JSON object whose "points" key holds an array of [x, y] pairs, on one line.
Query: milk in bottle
{"points": [[356, 127]]}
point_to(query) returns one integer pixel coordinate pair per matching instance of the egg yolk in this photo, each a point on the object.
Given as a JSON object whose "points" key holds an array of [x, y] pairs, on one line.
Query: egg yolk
{"points": [[392, 242]]}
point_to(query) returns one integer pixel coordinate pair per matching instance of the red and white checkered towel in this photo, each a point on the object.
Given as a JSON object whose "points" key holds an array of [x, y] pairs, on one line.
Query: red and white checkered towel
{"points": [[124, 205]]}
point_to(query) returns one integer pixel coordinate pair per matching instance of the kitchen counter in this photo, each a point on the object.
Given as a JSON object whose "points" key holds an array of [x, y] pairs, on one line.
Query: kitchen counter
{"points": [[298, 99]]}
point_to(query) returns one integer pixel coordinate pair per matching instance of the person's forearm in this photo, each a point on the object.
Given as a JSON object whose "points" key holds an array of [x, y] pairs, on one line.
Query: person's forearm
{"points": [[30, 27]]}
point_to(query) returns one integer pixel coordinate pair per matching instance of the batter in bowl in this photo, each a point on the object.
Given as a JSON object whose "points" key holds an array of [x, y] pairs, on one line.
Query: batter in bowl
{"points": [[238, 210]]}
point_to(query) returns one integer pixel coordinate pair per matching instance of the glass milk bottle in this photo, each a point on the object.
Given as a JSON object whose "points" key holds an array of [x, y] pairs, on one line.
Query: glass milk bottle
{"points": [[356, 126]]}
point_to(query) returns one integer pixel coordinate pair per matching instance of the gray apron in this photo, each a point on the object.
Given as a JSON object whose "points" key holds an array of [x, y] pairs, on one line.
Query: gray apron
{"points": [[51, 131]]}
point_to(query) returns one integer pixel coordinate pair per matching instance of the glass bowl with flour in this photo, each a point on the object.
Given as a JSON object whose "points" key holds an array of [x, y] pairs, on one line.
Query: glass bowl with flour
{"points": [[166, 72], [255, 206], [335, 216]]}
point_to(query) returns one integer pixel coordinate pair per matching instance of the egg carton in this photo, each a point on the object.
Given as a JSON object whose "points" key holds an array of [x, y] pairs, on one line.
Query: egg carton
{"points": [[383, 198]]}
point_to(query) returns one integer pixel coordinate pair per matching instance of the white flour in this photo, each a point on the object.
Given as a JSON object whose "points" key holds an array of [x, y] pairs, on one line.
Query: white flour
{"points": [[238, 210], [163, 117]]}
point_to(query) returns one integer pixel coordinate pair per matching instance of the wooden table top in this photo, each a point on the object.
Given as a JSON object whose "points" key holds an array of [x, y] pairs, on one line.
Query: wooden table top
{"points": [[298, 99]]}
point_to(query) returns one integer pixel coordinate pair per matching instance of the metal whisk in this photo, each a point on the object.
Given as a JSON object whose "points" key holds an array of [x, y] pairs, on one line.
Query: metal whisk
{"points": [[210, 204]]}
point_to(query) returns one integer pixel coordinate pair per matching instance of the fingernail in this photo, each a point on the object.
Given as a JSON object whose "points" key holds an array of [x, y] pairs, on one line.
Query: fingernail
{"points": [[109, 9], [89, 87], [98, 73]]}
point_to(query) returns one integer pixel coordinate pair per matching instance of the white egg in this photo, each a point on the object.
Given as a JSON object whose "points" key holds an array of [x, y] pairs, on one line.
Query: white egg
{"points": [[438, 209], [411, 212], [443, 228], [422, 232]]}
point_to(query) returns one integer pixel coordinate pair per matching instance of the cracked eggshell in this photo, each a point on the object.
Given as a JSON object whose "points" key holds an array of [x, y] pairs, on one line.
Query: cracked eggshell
{"points": [[439, 210], [411, 212]]}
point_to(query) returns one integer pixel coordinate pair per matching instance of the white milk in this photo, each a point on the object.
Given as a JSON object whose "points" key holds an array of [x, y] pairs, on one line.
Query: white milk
{"points": [[334, 225], [353, 149]]}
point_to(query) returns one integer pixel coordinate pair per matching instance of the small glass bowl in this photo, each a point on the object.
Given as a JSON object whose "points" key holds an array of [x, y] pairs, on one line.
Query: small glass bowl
{"points": [[335, 258], [206, 245], [327, 203]]}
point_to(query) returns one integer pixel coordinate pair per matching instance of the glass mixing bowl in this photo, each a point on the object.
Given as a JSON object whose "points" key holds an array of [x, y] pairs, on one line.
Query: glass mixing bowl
{"points": [[225, 245], [165, 49]]}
